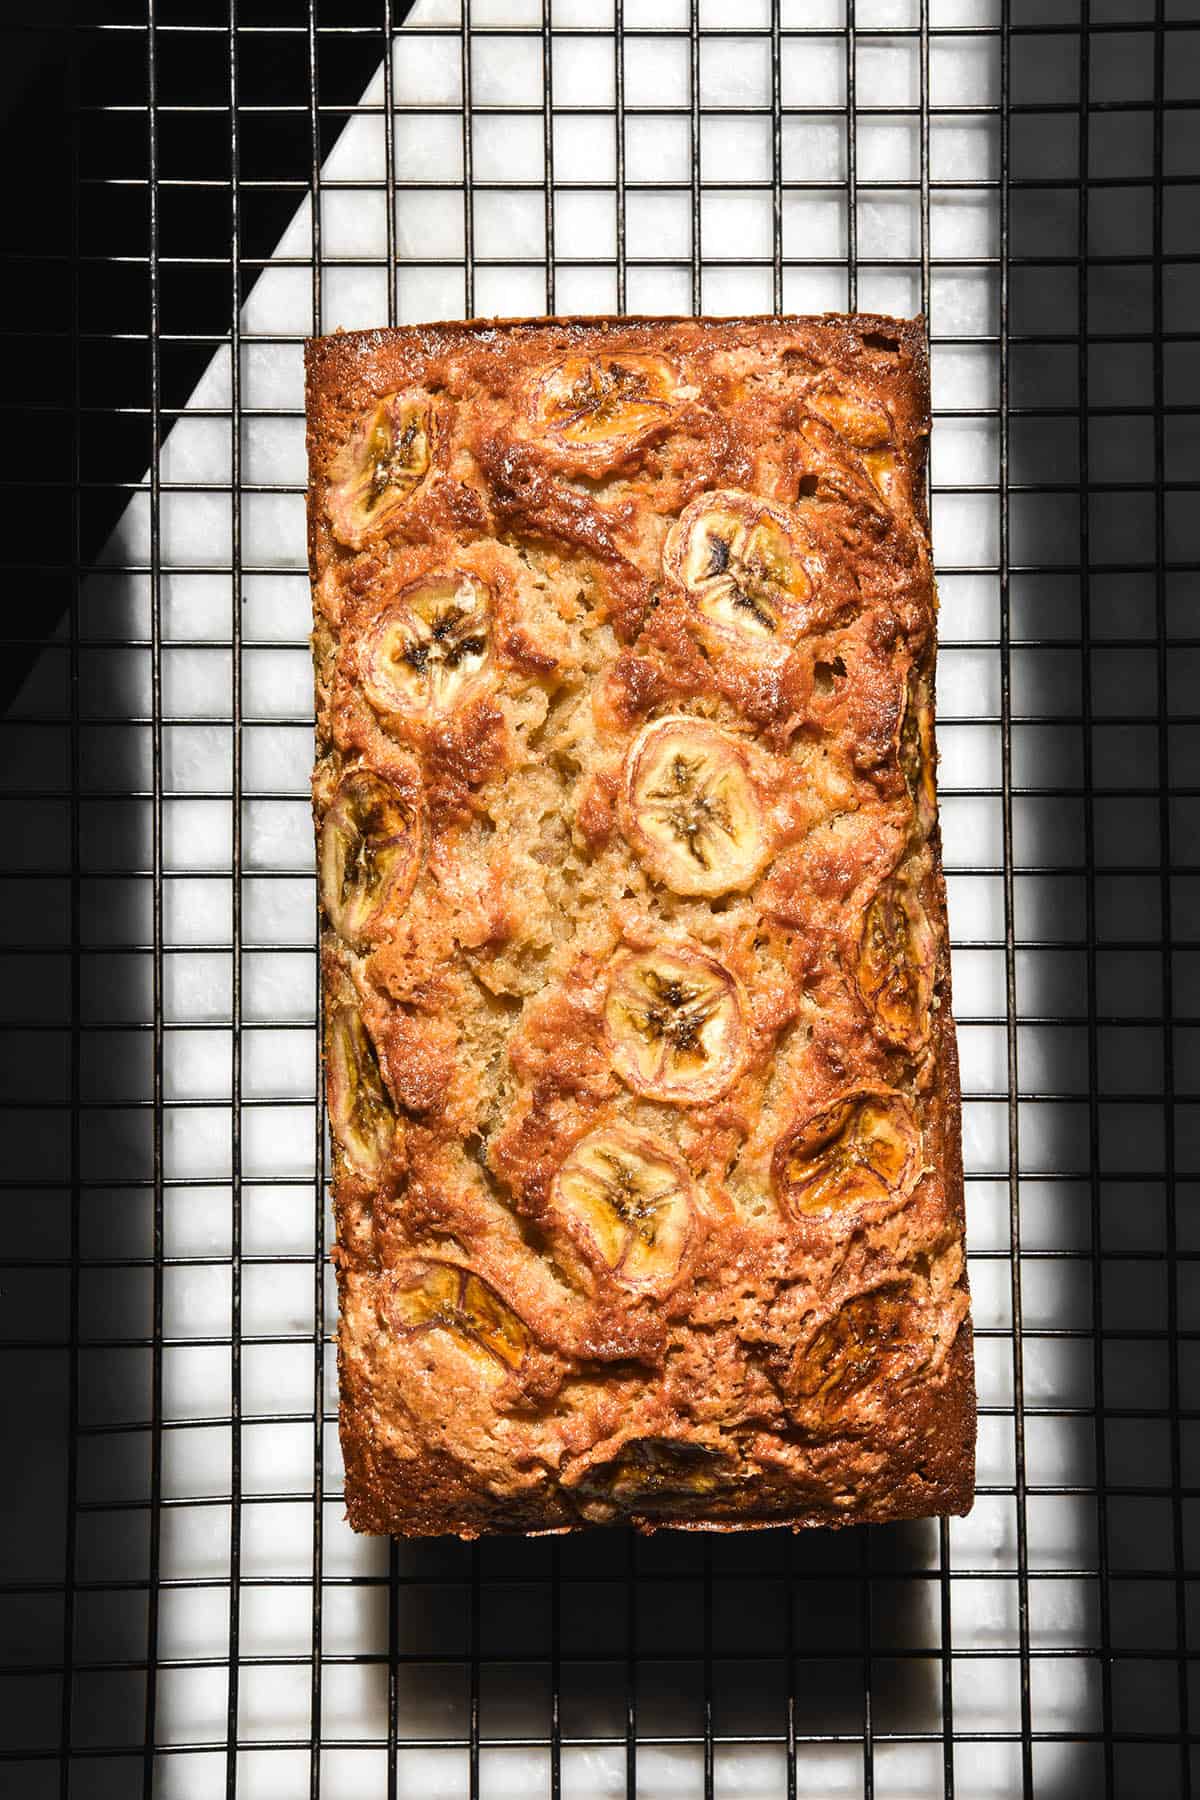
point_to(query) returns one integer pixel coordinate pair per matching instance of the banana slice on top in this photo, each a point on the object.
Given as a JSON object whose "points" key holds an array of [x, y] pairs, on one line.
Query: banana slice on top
{"points": [[361, 1116], [428, 1295], [379, 467], [862, 1151], [862, 423], [675, 1024], [897, 960], [870, 1335], [628, 1198], [745, 566], [658, 1471], [370, 853], [596, 405], [692, 809], [918, 755], [884, 469], [424, 652]]}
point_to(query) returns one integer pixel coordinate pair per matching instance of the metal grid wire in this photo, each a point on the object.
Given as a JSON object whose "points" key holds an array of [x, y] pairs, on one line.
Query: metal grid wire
{"points": [[187, 1613]]}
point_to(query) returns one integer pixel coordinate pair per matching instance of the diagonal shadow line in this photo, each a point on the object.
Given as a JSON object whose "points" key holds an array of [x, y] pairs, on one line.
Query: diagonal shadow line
{"points": [[44, 72]]}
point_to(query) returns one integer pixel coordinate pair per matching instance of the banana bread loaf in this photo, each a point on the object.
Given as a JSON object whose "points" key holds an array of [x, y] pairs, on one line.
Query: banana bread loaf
{"points": [[641, 1072]]}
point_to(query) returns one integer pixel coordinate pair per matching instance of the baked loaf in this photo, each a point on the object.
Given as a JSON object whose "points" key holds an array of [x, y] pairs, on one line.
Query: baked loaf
{"points": [[641, 1072]]}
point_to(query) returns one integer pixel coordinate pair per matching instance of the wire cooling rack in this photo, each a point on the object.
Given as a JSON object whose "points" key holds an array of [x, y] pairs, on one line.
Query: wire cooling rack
{"points": [[186, 1613]]}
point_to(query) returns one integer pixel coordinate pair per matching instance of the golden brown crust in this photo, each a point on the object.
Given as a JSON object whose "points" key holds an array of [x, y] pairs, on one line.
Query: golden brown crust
{"points": [[642, 1074]]}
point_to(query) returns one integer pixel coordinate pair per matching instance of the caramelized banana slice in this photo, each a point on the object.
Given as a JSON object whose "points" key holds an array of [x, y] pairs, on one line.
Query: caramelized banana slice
{"points": [[598, 405], [884, 470], [897, 959], [861, 1150], [442, 1296], [631, 1199], [694, 814], [379, 468], [918, 755], [675, 1025], [872, 1339], [861, 422], [426, 650], [360, 1113], [654, 1471], [370, 853], [744, 566]]}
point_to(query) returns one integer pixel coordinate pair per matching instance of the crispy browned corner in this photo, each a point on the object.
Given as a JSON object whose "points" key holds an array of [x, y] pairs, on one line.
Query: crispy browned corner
{"points": [[641, 1070]]}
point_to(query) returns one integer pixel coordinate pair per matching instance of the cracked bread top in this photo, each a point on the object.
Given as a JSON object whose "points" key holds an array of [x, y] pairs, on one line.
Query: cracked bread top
{"points": [[641, 1072]]}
